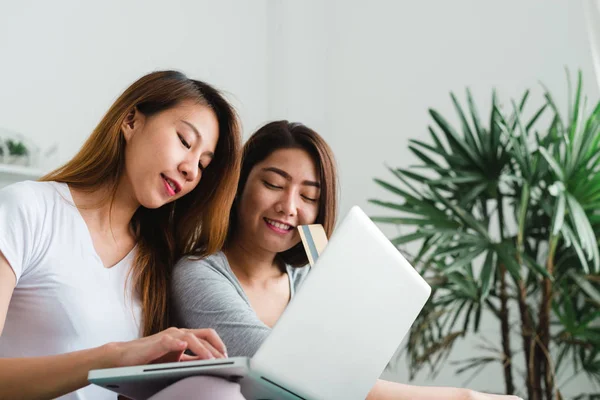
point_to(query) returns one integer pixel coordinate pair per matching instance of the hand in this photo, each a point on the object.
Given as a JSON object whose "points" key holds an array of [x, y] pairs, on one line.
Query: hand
{"points": [[169, 346]]}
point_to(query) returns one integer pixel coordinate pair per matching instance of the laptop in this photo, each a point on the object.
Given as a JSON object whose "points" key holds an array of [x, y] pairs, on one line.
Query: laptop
{"points": [[334, 339]]}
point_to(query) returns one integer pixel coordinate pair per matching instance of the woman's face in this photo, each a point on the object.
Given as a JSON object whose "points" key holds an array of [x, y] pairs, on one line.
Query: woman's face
{"points": [[167, 152], [281, 193]]}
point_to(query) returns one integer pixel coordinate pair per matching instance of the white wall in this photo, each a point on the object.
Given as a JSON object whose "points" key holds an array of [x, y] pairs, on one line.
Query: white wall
{"points": [[365, 73], [63, 63]]}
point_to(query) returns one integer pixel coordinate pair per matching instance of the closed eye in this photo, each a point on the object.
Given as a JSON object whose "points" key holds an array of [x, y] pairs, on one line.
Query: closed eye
{"points": [[271, 186], [309, 199], [185, 144]]}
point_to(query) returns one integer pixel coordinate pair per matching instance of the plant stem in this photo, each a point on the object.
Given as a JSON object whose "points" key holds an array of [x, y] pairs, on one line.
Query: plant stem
{"points": [[527, 329], [544, 325], [504, 317], [527, 332]]}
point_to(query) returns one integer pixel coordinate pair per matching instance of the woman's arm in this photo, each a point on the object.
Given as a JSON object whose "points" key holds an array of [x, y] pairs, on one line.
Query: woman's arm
{"points": [[54, 376], [203, 295], [385, 390]]}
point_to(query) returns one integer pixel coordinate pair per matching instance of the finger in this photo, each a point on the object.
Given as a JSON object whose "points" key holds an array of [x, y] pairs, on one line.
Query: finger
{"points": [[211, 336], [165, 344], [197, 347], [173, 356], [187, 357], [216, 353]]}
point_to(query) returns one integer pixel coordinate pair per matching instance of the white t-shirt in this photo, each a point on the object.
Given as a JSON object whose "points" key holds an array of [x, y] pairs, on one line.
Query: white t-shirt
{"points": [[65, 299]]}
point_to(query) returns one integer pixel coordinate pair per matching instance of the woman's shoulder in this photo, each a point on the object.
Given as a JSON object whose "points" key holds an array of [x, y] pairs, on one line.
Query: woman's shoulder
{"points": [[32, 195], [212, 265], [31, 191], [297, 276]]}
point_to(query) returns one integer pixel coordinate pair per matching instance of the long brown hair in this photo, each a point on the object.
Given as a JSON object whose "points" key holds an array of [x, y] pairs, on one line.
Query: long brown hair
{"points": [[285, 135], [194, 224]]}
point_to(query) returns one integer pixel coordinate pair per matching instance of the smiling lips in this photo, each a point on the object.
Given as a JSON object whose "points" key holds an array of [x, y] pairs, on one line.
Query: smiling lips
{"points": [[172, 186], [277, 226]]}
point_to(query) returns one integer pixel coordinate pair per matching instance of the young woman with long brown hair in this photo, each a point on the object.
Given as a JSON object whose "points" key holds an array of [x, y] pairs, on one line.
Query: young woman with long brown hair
{"points": [[86, 252], [288, 178]]}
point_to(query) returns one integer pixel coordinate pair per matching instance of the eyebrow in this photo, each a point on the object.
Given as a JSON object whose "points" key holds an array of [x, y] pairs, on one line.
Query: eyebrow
{"points": [[289, 177], [197, 132]]}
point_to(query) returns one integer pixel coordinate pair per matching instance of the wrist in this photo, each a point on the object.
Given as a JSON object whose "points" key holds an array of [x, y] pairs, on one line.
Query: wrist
{"points": [[110, 355]]}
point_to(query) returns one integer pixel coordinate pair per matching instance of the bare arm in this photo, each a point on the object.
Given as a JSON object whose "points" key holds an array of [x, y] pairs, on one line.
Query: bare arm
{"points": [[54, 375], [8, 281], [384, 390], [62, 374]]}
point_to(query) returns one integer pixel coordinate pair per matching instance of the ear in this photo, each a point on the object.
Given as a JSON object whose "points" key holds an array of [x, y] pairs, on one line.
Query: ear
{"points": [[131, 123]]}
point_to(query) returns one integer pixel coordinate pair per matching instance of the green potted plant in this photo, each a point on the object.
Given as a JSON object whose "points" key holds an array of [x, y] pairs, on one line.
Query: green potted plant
{"points": [[14, 152], [506, 218]]}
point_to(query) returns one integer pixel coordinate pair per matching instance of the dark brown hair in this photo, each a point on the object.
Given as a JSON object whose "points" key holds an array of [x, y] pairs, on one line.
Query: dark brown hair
{"points": [[285, 135], [194, 224]]}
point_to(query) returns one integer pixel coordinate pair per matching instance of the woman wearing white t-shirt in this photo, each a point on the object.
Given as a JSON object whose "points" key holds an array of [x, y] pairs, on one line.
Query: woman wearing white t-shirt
{"points": [[86, 253]]}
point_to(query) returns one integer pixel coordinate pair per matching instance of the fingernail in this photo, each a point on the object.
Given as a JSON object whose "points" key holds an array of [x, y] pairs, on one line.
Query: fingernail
{"points": [[226, 356]]}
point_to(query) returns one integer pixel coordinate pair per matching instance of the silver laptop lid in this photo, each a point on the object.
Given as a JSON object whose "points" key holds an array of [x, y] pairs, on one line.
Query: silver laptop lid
{"points": [[347, 320]]}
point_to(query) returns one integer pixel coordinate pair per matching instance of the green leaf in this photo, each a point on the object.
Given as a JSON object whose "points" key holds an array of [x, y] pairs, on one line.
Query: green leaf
{"points": [[584, 229], [408, 238], [453, 251], [553, 164], [394, 206], [437, 223], [465, 125], [522, 137], [477, 317], [537, 115], [455, 140], [476, 121], [576, 111], [535, 267], [436, 140], [464, 260], [473, 193], [568, 316], [478, 363], [494, 137], [559, 215], [451, 159], [402, 221], [587, 287], [469, 220], [429, 162], [462, 177], [457, 313], [487, 272], [468, 317], [509, 261], [397, 190], [398, 174], [414, 176], [574, 240], [422, 208]]}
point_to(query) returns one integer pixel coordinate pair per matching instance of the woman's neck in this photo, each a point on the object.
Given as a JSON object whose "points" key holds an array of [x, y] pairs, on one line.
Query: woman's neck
{"points": [[108, 213], [251, 264]]}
